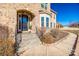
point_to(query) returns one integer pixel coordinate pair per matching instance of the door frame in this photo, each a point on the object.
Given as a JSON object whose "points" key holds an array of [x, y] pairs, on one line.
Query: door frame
{"points": [[25, 12], [18, 15]]}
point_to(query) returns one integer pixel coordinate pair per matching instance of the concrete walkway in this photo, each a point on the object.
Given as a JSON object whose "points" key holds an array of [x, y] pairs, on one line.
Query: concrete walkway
{"points": [[77, 48], [28, 41], [62, 47]]}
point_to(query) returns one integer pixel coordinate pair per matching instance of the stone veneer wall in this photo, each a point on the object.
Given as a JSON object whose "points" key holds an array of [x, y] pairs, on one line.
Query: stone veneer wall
{"points": [[8, 15]]}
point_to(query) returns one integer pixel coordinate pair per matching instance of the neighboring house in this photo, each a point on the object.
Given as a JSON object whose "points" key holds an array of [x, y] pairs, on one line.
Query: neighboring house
{"points": [[19, 17], [58, 25], [76, 24]]}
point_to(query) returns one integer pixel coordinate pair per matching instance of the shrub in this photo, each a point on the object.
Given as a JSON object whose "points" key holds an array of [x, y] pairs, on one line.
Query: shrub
{"points": [[6, 43]]}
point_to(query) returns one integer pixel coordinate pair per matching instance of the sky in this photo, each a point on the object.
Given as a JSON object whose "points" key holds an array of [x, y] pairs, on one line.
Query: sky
{"points": [[67, 13]]}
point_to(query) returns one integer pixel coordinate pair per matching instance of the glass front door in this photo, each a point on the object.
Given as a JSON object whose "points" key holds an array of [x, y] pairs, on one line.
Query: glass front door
{"points": [[23, 23]]}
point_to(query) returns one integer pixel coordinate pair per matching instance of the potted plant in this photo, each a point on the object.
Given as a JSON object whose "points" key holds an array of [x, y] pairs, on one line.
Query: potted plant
{"points": [[30, 28]]}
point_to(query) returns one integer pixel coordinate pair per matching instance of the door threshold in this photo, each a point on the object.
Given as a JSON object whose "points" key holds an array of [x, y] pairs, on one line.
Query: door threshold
{"points": [[24, 31]]}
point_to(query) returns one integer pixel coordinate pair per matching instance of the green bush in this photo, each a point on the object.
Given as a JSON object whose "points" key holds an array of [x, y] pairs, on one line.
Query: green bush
{"points": [[30, 27]]}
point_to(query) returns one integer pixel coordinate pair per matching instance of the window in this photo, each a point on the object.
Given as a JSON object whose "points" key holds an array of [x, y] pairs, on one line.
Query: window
{"points": [[47, 22], [42, 21], [51, 24], [54, 16], [44, 5]]}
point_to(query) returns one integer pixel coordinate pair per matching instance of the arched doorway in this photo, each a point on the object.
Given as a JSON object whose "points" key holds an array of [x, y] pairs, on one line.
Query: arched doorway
{"points": [[24, 18]]}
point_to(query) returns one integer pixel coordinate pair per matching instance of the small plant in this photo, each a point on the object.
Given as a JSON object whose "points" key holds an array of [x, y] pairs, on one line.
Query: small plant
{"points": [[30, 27]]}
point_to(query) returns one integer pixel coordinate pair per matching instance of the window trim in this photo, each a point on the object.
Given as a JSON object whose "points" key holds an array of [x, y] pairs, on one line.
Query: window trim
{"points": [[45, 15]]}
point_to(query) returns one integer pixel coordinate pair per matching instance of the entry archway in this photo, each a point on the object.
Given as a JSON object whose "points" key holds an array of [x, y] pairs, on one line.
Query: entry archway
{"points": [[23, 20]]}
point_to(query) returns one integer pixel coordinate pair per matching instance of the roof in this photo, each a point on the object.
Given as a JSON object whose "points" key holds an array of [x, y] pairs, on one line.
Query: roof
{"points": [[53, 11]]}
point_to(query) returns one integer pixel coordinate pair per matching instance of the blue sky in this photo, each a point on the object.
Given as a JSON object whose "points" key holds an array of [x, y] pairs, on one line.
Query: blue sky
{"points": [[66, 12]]}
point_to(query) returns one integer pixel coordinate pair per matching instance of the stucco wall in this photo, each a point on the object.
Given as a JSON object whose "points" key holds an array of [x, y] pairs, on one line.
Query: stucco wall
{"points": [[53, 19]]}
